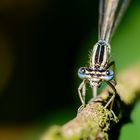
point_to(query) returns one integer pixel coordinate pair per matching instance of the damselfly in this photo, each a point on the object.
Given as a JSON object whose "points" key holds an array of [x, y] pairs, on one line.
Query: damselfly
{"points": [[110, 13]]}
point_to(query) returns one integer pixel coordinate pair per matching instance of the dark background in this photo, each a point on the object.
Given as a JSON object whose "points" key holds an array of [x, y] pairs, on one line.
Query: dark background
{"points": [[44, 38]]}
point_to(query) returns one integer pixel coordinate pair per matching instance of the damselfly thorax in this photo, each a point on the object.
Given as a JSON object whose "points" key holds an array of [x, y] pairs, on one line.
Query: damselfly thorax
{"points": [[97, 71], [98, 68], [100, 55]]}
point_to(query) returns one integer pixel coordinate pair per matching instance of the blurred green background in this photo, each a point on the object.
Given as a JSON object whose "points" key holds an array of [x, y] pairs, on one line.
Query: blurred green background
{"points": [[42, 45]]}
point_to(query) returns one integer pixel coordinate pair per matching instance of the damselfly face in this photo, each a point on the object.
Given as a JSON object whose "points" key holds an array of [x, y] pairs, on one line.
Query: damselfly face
{"points": [[95, 76]]}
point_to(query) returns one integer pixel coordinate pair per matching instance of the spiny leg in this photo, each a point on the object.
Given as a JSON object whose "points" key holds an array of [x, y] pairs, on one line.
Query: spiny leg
{"points": [[82, 93], [113, 96], [111, 100]]}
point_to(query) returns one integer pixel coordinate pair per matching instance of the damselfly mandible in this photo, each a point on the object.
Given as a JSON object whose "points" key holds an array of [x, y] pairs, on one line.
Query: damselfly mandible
{"points": [[110, 13]]}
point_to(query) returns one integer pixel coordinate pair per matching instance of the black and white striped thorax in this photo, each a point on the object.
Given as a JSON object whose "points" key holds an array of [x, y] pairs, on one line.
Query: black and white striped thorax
{"points": [[98, 70], [100, 56]]}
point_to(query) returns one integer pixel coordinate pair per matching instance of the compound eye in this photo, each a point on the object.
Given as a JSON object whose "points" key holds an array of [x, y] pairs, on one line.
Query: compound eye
{"points": [[82, 73], [107, 72], [82, 70], [109, 75]]}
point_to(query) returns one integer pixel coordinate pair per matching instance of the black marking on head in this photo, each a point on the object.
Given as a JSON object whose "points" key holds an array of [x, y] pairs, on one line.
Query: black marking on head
{"points": [[98, 70], [97, 75], [89, 69]]}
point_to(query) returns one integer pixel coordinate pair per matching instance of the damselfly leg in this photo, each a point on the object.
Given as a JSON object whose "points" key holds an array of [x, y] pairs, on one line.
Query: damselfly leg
{"points": [[82, 94], [111, 100], [112, 86]]}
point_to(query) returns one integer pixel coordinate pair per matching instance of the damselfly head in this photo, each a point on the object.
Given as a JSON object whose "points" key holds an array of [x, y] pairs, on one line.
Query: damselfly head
{"points": [[95, 76], [100, 75]]}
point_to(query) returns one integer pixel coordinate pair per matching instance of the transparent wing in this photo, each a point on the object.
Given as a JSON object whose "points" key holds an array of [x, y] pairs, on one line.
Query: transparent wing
{"points": [[119, 15], [110, 15], [102, 8]]}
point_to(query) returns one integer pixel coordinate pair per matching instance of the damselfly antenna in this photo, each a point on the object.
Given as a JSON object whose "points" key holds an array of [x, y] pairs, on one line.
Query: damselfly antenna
{"points": [[110, 13]]}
